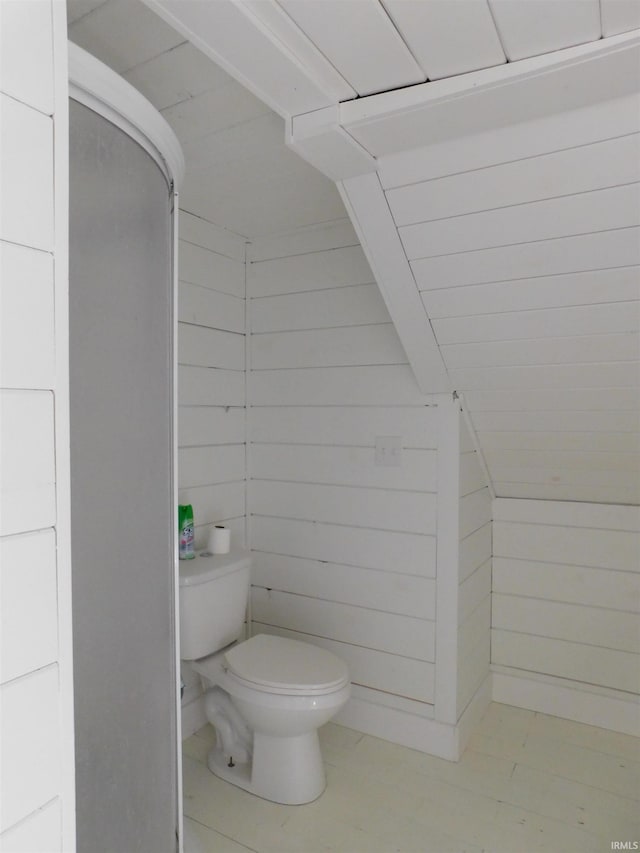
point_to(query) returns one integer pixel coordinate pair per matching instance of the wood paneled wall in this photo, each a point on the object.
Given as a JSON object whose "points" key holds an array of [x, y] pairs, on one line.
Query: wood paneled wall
{"points": [[524, 243], [211, 375], [474, 574], [566, 595], [344, 550], [36, 680]]}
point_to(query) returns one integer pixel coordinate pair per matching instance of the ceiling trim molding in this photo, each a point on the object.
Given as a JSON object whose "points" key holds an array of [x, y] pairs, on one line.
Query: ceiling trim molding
{"points": [[367, 207], [320, 139], [431, 113]]}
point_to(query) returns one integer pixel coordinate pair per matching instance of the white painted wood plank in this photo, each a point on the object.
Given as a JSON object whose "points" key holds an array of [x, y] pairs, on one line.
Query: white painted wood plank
{"points": [[593, 626], [618, 494], [578, 662], [473, 590], [344, 425], [346, 466], [314, 238], [385, 632], [198, 425], [466, 442], [447, 557], [359, 40], [353, 345], [475, 629], [595, 548], [577, 585], [475, 549], [30, 744], [365, 202], [597, 210], [176, 75], [410, 512], [378, 670], [28, 586], [129, 34], [442, 46], [205, 307], [356, 386], [203, 347], [573, 459], [590, 167], [586, 410], [597, 424], [407, 553], [206, 386], [620, 374], [215, 503], [195, 229], [238, 40], [552, 399], [422, 115], [616, 317], [390, 592], [210, 269], [26, 53], [213, 111], [472, 671], [39, 831], [528, 29], [566, 476], [569, 514], [202, 466], [619, 16], [564, 350], [27, 461], [345, 306], [581, 253], [312, 271], [609, 441], [475, 512], [471, 474], [79, 8], [26, 318], [592, 287], [605, 119], [26, 205]]}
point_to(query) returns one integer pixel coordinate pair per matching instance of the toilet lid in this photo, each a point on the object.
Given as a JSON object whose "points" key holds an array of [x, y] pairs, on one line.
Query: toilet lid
{"points": [[286, 665]]}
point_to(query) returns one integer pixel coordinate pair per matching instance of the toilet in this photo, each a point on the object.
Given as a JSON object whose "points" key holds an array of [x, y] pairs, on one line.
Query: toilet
{"points": [[266, 696]]}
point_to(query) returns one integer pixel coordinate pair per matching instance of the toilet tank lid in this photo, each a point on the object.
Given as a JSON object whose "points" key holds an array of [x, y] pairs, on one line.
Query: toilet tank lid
{"points": [[274, 661], [204, 568]]}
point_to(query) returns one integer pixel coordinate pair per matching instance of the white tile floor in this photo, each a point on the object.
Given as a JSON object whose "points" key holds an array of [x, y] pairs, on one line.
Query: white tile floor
{"points": [[526, 782]]}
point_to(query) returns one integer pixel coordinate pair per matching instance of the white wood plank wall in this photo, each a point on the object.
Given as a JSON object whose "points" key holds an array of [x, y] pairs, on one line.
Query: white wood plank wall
{"points": [[566, 594], [343, 549], [474, 574], [525, 246], [36, 687], [211, 375]]}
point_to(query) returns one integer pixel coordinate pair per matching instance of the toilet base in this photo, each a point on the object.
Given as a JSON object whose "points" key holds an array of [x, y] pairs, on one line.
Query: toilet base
{"points": [[286, 770]]}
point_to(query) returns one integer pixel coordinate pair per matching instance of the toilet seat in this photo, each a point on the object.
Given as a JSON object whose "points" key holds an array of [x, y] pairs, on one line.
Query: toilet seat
{"points": [[272, 664]]}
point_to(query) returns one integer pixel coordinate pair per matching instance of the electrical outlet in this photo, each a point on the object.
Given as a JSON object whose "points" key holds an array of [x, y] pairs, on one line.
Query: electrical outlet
{"points": [[388, 451]]}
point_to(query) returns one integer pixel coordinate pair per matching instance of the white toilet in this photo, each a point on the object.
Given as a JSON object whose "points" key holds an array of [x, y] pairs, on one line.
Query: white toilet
{"points": [[266, 696]]}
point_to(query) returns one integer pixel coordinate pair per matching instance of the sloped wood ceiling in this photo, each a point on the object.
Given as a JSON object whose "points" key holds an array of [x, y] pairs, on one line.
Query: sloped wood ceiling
{"points": [[497, 144]]}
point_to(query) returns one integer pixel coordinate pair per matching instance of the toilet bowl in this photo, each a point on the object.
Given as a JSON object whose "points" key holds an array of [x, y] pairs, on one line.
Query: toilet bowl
{"points": [[281, 691], [267, 696]]}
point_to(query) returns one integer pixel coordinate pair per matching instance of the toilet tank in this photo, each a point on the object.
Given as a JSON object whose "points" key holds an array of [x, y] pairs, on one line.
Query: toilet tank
{"points": [[213, 600]]}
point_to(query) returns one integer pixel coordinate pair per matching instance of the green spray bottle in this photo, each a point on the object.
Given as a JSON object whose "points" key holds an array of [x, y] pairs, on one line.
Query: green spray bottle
{"points": [[186, 532]]}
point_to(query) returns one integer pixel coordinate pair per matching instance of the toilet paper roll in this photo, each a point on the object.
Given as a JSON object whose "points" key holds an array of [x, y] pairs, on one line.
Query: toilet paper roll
{"points": [[219, 539]]}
